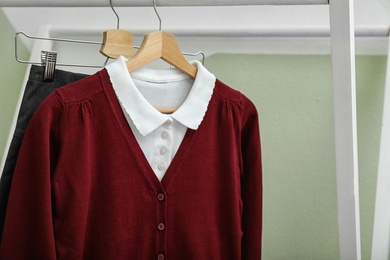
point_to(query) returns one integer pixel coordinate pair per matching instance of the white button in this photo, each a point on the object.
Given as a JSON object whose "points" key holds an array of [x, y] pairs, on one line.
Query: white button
{"points": [[163, 150], [161, 167], [164, 135], [168, 123]]}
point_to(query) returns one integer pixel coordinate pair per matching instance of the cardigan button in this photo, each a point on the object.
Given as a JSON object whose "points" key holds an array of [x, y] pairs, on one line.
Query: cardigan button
{"points": [[161, 226], [161, 257], [160, 197]]}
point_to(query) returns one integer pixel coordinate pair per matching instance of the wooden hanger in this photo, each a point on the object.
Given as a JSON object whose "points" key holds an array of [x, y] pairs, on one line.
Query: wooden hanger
{"points": [[160, 44], [164, 45], [156, 45], [117, 42]]}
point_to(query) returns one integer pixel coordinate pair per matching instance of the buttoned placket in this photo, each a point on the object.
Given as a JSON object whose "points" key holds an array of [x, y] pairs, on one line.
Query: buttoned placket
{"points": [[163, 149], [163, 146], [161, 225]]}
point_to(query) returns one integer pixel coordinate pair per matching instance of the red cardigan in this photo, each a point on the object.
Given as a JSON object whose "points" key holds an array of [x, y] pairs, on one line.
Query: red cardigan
{"points": [[83, 189]]}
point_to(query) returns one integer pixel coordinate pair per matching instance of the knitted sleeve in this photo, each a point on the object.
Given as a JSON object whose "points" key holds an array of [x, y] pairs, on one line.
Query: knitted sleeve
{"points": [[251, 183]]}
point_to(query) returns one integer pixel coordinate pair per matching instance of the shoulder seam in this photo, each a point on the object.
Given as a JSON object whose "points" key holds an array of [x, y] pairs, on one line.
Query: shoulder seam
{"points": [[81, 99], [224, 97], [66, 99], [229, 99]]}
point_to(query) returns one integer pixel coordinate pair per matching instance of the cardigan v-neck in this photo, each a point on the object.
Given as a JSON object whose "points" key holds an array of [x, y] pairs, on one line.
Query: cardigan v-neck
{"points": [[82, 188], [137, 151], [155, 131]]}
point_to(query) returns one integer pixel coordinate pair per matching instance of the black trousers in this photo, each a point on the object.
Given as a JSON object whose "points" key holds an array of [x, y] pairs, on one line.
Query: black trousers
{"points": [[36, 91]]}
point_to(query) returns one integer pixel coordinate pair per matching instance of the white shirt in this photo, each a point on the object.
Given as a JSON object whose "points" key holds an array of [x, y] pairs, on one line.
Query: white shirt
{"points": [[144, 90]]}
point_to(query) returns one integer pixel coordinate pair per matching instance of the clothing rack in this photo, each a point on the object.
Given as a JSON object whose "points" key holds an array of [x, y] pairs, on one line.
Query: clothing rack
{"points": [[344, 86], [139, 3], [344, 102]]}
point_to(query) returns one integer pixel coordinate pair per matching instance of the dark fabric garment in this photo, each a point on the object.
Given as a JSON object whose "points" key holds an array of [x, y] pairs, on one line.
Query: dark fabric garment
{"points": [[36, 91]]}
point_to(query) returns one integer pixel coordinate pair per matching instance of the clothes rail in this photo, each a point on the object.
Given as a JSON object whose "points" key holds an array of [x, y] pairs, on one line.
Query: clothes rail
{"points": [[271, 31], [135, 3]]}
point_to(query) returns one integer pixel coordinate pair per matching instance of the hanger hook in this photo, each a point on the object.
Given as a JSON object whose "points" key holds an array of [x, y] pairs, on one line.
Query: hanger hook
{"points": [[158, 16], [117, 16]]}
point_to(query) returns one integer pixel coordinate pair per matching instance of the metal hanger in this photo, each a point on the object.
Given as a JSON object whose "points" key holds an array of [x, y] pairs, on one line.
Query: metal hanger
{"points": [[116, 14], [49, 58], [52, 39], [53, 54]]}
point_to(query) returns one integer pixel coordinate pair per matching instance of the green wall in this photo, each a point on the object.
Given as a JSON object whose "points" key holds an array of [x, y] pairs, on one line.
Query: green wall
{"points": [[11, 78], [371, 75], [293, 95]]}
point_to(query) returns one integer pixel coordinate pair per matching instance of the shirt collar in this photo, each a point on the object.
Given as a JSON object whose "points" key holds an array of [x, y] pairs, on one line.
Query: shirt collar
{"points": [[144, 116]]}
